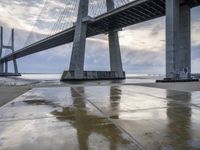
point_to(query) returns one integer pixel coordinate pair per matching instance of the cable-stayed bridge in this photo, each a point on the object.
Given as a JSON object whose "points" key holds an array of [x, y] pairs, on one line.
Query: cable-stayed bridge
{"points": [[96, 17]]}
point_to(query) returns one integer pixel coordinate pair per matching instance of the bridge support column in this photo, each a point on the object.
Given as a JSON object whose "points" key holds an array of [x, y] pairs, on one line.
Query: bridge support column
{"points": [[114, 47], [1, 68], [1, 48], [76, 69], [178, 41], [78, 50], [185, 42], [6, 67], [12, 47]]}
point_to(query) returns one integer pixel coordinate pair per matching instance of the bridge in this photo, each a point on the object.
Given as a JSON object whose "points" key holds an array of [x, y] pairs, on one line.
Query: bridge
{"points": [[178, 38]]}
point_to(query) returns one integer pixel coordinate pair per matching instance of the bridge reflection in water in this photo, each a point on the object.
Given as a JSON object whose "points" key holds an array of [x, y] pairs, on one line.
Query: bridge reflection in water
{"points": [[101, 117], [89, 126]]}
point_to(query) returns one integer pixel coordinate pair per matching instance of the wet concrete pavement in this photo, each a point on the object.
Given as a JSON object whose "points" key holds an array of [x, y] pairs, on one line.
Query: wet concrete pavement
{"points": [[101, 118]]}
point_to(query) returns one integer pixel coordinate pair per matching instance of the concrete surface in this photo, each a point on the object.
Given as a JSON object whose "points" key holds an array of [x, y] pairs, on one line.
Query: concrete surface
{"points": [[7, 93], [78, 49], [93, 75], [114, 46], [178, 40], [101, 117], [179, 86]]}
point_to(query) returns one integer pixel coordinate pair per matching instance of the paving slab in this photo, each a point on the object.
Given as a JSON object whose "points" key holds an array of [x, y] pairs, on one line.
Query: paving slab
{"points": [[8, 93], [58, 118], [101, 118]]}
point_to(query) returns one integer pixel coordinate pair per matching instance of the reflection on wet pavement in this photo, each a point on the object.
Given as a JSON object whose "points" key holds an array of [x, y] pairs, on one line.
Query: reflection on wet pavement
{"points": [[101, 117]]}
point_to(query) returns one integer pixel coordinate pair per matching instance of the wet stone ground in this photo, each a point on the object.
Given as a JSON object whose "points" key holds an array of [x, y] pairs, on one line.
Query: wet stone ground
{"points": [[101, 118]]}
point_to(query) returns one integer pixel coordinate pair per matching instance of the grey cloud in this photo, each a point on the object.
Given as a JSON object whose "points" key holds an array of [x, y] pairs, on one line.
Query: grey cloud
{"points": [[156, 30]]}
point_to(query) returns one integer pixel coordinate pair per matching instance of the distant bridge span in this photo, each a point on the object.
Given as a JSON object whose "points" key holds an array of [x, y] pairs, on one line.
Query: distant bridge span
{"points": [[132, 13]]}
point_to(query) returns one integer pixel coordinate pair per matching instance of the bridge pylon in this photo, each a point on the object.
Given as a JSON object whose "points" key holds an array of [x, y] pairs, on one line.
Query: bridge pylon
{"points": [[4, 65], [76, 68], [114, 46], [178, 41]]}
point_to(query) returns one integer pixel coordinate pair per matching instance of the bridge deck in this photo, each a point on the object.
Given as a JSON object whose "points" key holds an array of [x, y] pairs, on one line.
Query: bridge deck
{"points": [[130, 14]]}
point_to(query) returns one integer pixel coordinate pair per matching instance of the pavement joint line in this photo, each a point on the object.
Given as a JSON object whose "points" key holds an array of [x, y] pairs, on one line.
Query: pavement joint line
{"points": [[106, 114], [196, 106], [119, 127], [163, 98], [162, 88], [140, 146], [138, 110], [168, 99], [154, 108], [14, 99]]}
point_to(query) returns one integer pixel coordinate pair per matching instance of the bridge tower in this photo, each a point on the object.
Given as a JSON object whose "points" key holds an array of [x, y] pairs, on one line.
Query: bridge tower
{"points": [[1, 47], [4, 65], [178, 40], [76, 68], [114, 47]]}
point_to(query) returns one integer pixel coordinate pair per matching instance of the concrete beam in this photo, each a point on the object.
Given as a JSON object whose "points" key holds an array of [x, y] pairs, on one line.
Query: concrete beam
{"points": [[115, 54], [92, 75], [110, 5], [172, 30], [1, 68], [114, 47], [1, 41], [1, 48], [14, 60], [178, 40], [185, 41], [6, 67], [87, 19], [78, 50]]}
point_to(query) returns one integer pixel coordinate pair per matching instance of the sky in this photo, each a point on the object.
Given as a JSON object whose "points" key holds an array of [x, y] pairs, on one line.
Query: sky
{"points": [[142, 45]]}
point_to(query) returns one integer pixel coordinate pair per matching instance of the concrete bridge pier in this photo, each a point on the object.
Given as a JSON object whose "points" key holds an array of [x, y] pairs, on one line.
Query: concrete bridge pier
{"points": [[1, 68], [6, 67], [76, 68], [1, 48], [78, 50], [114, 47], [178, 41], [12, 48], [115, 54]]}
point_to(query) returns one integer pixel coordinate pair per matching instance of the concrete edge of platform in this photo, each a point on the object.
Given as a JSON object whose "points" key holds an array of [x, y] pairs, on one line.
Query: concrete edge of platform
{"points": [[92, 75], [176, 80], [9, 74]]}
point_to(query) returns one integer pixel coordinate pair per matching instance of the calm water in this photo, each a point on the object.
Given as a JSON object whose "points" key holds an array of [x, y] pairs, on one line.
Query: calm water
{"points": [[41, 76], [54, 79], [58, 76]]}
